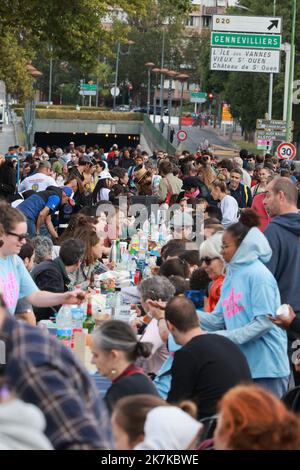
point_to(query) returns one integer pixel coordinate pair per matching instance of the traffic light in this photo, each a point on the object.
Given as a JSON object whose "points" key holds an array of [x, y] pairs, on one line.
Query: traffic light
{"points": [[210, 96]]}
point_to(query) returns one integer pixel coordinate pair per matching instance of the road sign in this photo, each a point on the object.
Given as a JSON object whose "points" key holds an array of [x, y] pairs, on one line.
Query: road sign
{"points": [[271, 135], [286, 151], [263, 144], [198, 94], [198, 97], [244, 60], [88, 87], [181, 135], [272, 124], [88, 92], [247, 24], [115, 91], [246, 44], [249, 40]]}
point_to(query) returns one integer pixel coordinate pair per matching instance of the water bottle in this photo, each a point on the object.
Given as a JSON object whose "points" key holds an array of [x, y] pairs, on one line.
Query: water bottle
{"points": [[113, 252], [77, 317], [134, 245], [122, 310], [64, 325], [143, 245], [147, 272]]}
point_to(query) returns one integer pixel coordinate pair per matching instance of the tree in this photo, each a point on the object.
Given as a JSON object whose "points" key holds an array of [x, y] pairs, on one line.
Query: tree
{"points": [[72, 27], [146, 32]]}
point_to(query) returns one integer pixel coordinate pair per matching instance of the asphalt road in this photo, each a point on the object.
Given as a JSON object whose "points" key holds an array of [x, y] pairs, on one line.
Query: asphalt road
{"points": [[196, 135]]}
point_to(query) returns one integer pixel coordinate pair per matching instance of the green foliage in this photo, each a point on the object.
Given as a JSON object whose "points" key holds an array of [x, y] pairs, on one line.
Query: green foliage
{"points": [[88, 115]]}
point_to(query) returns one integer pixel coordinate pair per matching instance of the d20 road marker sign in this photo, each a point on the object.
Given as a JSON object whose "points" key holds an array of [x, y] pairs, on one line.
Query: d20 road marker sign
{"points": [[247, 24], [181, 135], [286, 151]]}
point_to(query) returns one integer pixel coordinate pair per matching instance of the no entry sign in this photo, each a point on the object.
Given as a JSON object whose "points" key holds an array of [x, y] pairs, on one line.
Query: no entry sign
{"points": [[181, 135], [286, 151]]}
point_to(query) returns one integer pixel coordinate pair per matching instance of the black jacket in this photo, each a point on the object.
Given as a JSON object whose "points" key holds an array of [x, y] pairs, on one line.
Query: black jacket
{"points": [[51, 276], [7, 179]]}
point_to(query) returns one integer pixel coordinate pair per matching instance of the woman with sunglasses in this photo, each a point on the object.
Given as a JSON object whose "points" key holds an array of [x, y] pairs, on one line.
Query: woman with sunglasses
{"points": [[249, 296], [15, 280], [213, 264]]}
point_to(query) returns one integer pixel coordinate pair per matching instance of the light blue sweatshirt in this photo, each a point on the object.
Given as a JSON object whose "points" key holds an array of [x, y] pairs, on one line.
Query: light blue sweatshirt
{"points": [[249, 294]]}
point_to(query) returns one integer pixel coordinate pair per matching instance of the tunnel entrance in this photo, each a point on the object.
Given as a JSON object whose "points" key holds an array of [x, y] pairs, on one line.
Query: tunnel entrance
{"points": [[60, 139]]}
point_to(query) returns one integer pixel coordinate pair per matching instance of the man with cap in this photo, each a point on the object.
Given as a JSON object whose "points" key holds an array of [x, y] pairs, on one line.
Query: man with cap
{"points": [[84, 165], [40, 180], [39, 207]]}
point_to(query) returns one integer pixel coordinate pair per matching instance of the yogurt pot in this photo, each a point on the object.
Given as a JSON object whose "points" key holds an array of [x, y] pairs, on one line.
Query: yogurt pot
{"points": [[283, 310]]}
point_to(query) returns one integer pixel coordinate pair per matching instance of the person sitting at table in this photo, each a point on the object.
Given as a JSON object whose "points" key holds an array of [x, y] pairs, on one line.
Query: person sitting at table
{"points": [[115, 349], [157, 288], [54, 275], [91, 262]]}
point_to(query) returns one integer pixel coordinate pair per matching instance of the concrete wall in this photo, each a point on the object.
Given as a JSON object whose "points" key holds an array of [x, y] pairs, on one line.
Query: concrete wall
{"points": [[90, 126]]}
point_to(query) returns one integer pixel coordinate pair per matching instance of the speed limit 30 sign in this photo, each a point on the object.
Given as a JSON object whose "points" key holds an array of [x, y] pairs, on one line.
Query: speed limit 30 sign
{"points": [[286, 151]]}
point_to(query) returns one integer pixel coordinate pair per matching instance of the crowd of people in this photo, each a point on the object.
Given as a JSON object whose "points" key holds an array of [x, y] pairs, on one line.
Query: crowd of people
{"points": [[210, 359]]}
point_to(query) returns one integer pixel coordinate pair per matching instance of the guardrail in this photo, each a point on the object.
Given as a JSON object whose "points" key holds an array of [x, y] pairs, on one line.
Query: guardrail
{"points": [[156, 137]]}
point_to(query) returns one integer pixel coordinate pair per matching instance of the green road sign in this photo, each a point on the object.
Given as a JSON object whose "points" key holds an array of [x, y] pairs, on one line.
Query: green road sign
{"points": [[257, 41], [88, 87], [198, 94]]}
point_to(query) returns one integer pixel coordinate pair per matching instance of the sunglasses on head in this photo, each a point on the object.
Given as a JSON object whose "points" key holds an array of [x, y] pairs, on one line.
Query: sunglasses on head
{"points": [[22, 236], [208, 260]]}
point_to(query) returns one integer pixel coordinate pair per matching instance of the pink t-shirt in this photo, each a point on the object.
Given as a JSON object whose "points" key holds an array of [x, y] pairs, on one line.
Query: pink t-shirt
{"points": [[159, 351]]}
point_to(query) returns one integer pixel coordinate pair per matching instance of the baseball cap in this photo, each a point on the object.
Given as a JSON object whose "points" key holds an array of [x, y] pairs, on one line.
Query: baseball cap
{"points": [[85, 159], [68, 192]]}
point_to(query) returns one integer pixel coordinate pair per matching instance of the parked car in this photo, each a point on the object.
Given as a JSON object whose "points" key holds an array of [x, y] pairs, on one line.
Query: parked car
{"points": [[143, 109]]}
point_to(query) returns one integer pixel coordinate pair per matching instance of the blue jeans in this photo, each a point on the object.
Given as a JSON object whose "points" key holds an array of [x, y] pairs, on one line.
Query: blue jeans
{"points": [[277, 386], [31, 228]]}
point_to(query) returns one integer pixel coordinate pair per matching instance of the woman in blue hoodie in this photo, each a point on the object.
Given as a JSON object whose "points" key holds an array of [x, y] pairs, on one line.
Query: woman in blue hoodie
{"points": [[249, 295]]}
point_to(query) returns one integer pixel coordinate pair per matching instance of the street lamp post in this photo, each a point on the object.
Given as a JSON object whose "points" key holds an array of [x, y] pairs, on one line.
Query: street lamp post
{"points": [[156, 71], [291, 77], [119, 52], [149, 66], [182, 77], [161, 101], [50, 75], [171, 74]]}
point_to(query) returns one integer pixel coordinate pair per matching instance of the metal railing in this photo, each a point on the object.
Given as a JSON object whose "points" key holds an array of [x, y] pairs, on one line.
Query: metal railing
{"points": [[156, 137], [28, 123]]}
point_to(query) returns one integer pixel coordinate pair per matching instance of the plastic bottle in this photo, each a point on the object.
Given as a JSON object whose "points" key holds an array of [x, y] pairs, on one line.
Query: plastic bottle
{"points": [[113, 252], [122, 310], [64, 325], [147, 272], [134, 245], [143, 245], [77, 316]]}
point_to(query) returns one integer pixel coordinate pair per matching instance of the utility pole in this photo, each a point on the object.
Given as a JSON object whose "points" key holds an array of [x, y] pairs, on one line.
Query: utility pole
{"points": [[291, 76], [270, 106]]}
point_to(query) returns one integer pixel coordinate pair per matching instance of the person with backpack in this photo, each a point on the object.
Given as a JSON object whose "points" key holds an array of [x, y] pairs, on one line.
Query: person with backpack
{"points": [[39, 207]]}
